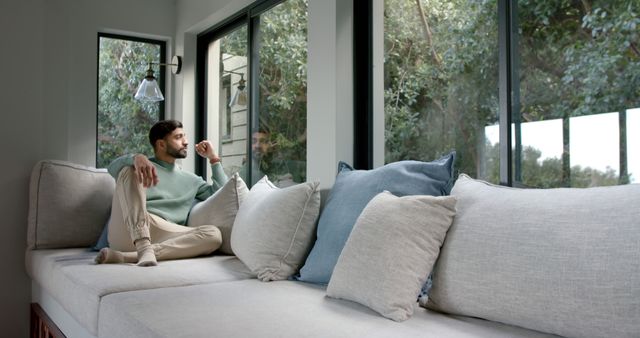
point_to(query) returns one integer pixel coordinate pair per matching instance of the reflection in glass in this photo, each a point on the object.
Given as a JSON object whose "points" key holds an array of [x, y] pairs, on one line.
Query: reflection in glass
{"points": [[279, 139], [227, 120]]}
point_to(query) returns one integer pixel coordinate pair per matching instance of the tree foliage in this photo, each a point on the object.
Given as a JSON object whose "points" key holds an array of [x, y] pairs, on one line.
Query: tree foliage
{"points": [[123, 122], [441, 67], [283, 84]]}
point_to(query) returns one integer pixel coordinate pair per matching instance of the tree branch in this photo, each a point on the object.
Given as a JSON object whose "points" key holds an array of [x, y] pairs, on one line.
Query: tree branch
{"points": [[427, 34]]}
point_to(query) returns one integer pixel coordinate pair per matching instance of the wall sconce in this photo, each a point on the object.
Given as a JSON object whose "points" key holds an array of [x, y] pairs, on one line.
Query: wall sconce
{"points": [[240, 96], [148, 89]]}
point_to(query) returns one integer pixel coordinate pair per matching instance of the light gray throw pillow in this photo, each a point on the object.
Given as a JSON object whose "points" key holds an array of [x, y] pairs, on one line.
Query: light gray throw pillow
{"points": [[220, 209], [68, 204], [564, 261], [391, 251], [274, 228]]}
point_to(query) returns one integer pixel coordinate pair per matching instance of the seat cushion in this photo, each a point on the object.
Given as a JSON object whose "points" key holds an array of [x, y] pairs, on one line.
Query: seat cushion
{"points": [[565, 261], [250, 308], [78, 284]]}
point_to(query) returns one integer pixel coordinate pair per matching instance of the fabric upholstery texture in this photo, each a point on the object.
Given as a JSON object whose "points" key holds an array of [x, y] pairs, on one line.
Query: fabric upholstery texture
{"points": [[220, 210], [68, 204], [249, 308], [564, 261], [352, 191], [71, 277], [103, 240], [274, 228], [390, 252]]}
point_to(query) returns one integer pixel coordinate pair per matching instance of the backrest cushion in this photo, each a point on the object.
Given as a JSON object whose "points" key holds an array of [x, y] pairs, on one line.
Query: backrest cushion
{"points": [[352, 191], [273, 230], [68, 204], [564, 261]]}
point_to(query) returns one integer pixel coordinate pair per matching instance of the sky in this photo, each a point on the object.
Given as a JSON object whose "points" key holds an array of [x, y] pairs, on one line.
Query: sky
{"points": [[594, 140]]}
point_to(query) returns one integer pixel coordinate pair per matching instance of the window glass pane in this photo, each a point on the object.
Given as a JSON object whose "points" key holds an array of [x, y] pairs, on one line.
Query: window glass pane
{"points": [[441, 83], [279, 136], [578, 70], [227, 92], [123, 122]]}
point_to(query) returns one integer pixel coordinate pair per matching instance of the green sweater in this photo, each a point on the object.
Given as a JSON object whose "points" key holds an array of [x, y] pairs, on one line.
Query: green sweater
{"points": [[176, 190]]}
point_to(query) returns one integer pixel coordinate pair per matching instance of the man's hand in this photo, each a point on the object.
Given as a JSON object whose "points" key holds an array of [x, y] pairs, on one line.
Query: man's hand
{"points": [[205, 149], [145, 171]]}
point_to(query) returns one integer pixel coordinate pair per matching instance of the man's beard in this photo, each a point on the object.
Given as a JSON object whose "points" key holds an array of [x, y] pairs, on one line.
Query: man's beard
{"points": [[177, 153]]}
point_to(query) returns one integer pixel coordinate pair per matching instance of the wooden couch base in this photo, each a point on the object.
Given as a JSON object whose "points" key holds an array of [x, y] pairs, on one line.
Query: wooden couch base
{"points": [[41, 325]]}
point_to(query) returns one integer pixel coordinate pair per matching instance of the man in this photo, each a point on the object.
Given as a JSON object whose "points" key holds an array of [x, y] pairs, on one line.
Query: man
{"points": [[152, 201]]}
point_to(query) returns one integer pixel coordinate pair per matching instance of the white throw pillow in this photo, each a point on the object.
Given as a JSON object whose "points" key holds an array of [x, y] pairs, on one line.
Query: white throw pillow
{"points": [[220, 209], [275, 228], [390, 252]]}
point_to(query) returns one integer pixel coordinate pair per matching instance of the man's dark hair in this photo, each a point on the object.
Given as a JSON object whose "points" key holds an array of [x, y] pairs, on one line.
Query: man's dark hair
{"points": [[162, 129]]}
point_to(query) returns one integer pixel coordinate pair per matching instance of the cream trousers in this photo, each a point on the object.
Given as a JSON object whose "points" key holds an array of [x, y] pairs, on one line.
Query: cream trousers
{"points": [[130, 221]]}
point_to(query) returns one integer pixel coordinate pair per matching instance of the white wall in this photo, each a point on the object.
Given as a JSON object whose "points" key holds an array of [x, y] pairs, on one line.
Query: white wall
{"points": [[21, 35], [48, 96], [71, 28], [329, 89]]}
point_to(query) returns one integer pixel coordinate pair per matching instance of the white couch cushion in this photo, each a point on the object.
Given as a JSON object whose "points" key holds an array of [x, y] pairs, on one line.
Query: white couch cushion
{"points": [[565, 261], [61, 193], [250, 308], [78, 284], [220, 210], [274, 228], [391, 251]]}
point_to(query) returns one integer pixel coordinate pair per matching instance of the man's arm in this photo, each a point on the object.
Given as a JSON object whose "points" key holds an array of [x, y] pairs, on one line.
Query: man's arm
{"points": [[116, 165], [219, 178], [144, 169]]}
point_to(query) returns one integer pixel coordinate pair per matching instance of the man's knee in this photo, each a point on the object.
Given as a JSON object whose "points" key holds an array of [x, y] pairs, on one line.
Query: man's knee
{"points": [[126, 173], [212, 234]]}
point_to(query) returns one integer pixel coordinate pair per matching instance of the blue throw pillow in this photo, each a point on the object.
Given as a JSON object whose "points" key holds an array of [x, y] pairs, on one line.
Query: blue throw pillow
{"points": [[103, 241], [352, 191]]}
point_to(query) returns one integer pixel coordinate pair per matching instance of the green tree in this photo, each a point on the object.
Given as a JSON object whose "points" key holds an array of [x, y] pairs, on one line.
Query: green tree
{"points": [[441, 66], [123, 122]]}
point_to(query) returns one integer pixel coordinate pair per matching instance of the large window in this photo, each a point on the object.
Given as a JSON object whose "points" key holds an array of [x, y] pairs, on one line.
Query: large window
{"points": [[440, 81], [569, 74], [254, 108], [579, 74], [123, 122]]}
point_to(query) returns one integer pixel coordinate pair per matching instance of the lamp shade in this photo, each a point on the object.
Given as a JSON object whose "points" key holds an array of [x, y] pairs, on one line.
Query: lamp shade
{"points": [[239, 98], [149, 90]]}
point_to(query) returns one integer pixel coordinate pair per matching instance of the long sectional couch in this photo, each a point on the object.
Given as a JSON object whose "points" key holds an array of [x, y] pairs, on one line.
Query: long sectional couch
{"points": [[514, 263]]}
